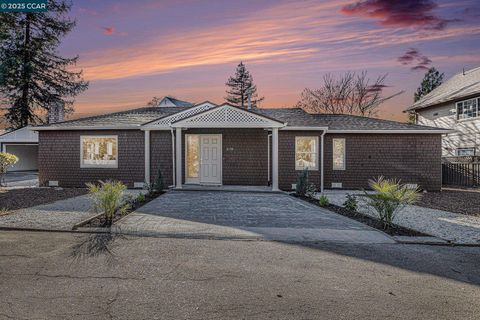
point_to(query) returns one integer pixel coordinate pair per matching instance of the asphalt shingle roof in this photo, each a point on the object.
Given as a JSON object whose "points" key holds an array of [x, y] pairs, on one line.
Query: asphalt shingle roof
{"points": [[294, 117], [134, 117], [459, 86], [180, 103]]}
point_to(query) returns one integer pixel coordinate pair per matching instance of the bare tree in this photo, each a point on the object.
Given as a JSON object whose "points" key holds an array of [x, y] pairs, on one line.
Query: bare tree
{"points": [[155, 102], [350, 93]]}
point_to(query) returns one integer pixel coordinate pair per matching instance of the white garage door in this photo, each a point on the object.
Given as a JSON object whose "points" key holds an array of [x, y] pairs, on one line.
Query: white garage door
{"points": [[27, 155]]}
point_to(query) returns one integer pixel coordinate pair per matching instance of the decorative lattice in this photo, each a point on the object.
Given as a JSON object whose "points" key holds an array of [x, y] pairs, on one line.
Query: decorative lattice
{"points": [[182, 115], [227, 115]]}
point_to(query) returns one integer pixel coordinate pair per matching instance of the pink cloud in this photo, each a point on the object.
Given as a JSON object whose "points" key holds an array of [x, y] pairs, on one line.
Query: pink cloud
{"points": [[405, 13], [111, 31]]}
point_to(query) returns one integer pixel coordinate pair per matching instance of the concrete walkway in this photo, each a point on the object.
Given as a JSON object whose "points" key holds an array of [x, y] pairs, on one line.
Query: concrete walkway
{"points": [[59, 215], [242, 215], [453, 227]]}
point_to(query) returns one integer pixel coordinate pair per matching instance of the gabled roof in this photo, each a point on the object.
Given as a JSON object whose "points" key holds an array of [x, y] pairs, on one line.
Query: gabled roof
{"points": [[228, 116], [169, 119], [461, 85], [177, 102]]}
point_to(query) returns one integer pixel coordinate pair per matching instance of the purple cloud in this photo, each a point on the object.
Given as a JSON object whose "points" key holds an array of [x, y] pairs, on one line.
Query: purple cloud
{"points": [[406, 13], [414, 57]]}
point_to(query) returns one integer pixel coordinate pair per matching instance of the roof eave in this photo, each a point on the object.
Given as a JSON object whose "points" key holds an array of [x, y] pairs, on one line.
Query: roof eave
{"points": [[53, 128]]}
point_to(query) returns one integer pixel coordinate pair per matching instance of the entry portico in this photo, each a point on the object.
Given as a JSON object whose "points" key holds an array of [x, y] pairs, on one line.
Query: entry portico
{"points": [[203, 152]]}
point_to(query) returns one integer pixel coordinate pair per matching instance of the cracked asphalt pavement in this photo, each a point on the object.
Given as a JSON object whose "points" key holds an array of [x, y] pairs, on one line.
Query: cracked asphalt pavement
{"points": [[83, 276]]}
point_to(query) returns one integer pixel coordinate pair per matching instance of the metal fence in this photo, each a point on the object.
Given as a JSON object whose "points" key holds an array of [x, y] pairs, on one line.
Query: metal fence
{"points": [[461, 174]]}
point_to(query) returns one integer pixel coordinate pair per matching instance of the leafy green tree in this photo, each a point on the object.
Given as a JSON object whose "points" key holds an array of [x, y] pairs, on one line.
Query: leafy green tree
{"points": [[432, 79], [33, 76], [239, 86]]}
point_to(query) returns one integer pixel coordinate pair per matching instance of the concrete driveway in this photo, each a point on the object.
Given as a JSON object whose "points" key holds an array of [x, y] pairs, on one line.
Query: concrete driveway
{"points": [[243, 215], [21, 179]]}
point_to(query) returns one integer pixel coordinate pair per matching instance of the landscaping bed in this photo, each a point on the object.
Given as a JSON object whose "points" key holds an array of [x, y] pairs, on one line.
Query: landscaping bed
{"points": [[464, 201], [100, 221], [393, 230], [14, 199]]}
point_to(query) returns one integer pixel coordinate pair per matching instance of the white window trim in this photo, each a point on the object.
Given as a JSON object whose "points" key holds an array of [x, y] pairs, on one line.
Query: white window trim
{"points": [[470, 118], [102, 166], [344, 154], [316, 153], [465, 148]]}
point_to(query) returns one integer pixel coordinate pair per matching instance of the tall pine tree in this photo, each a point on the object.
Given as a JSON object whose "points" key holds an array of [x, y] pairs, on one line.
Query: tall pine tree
{"points": [[33, 76], [239, 86], [432, 79]]}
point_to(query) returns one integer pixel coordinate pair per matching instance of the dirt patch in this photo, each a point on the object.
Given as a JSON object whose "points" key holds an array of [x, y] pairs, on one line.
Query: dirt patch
{"points": [[369, 221], [14, 199], [463, 201]]}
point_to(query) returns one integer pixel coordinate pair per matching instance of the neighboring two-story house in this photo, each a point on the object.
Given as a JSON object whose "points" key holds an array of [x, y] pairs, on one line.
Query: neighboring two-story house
{"points": [[454, 105]]}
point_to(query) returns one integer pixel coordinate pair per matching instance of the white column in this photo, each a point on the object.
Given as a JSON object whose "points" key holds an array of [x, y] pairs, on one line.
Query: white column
{"points": [[147, 157], [178, 157], [321, 161], [275, 159]]}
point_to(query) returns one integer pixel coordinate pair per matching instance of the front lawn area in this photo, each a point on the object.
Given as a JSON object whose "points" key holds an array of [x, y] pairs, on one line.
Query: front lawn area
{"points": [[463, 201], [14, 199]]}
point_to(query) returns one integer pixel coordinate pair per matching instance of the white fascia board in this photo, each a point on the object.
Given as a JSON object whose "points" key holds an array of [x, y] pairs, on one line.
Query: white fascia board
{"points": [[306, 128], [17, 141], [228, 126], [431, 131], [136, 127], [154, 128]]}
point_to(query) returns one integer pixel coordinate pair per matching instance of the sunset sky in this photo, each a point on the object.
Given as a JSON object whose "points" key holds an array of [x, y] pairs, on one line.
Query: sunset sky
{"points": [[133, 50]]}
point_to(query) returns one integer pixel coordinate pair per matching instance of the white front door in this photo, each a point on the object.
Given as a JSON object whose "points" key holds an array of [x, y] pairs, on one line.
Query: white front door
{"points": [[211, 158]]}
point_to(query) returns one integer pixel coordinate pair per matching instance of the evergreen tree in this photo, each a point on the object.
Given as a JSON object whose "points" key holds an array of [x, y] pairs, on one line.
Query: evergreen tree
{"points": [[432, 79], [239, 86], [33, 76]]}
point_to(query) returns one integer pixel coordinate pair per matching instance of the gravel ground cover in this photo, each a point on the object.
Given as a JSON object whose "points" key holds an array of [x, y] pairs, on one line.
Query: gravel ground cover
{"points": [[19, 198], [463, 201], [453, 227]]}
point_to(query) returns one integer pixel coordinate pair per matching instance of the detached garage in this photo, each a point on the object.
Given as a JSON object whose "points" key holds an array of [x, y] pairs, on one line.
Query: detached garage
{"points": [[24, 144]]}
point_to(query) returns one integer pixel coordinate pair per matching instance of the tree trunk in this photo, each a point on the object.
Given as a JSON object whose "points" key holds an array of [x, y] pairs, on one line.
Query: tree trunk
{"points": [[26, 71]]}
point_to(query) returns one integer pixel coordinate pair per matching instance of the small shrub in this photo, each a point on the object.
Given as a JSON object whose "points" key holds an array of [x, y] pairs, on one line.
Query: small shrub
{"points": [[351, 203], [390, 198], [141, 197], [6, 161], [303, 187], [108, 197], [302, 183], [323, 201], [159, 185], [311, 189]]}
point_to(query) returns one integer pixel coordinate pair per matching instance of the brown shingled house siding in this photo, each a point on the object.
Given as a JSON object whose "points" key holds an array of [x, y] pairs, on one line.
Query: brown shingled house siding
{"points": [[59, 158], [413, 158], [287, 175], [245, 155], [161, 156]]}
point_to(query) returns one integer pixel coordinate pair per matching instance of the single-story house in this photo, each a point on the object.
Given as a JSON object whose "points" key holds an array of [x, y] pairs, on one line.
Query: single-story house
{"points": [[23, 143], [224, 145]]}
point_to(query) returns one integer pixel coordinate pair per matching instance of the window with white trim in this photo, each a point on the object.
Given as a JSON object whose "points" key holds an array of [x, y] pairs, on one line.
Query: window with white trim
{"points": [[98, 151], [467, 109], [465, 151], [306, 153], [338, 154]]}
